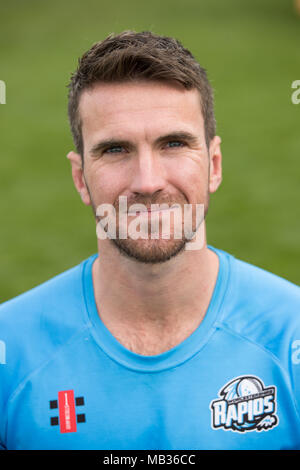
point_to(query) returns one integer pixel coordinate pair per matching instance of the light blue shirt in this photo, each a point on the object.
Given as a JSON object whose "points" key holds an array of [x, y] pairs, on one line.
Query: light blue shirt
{"points": [[234, 383]]}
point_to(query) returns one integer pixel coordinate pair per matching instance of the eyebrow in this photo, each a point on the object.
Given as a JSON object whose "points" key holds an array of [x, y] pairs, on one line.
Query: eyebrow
{"points": [[177, 135]]}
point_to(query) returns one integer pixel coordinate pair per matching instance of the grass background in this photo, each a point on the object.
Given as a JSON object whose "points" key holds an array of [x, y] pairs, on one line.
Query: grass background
{"points": [[251, 51]]}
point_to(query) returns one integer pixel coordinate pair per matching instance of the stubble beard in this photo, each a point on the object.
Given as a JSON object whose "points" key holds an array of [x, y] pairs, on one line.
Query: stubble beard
{"points": [[149, 251], [152, 251]]}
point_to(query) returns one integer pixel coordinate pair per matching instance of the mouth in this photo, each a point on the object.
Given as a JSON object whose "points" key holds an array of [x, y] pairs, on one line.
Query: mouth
{"points": [[154, 210], [148, 211]]}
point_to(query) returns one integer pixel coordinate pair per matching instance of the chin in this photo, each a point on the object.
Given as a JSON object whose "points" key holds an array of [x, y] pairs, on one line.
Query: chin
{"points": [[150, 251]]}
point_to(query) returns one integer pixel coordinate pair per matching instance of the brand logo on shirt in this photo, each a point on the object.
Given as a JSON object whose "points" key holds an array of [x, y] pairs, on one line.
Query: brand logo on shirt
{"points": [[66, 405], [245, 404]]}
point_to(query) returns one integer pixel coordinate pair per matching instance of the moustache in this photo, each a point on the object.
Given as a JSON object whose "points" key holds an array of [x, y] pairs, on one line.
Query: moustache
{"points": [[124, 203]]}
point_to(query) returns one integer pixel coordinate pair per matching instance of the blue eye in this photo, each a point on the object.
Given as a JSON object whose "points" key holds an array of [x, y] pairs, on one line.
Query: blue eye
{"points": [[111, 149], [175, 142]]}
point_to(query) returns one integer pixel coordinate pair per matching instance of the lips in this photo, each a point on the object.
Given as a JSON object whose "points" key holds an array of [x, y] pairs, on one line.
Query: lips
{"points": [[150, 211]]}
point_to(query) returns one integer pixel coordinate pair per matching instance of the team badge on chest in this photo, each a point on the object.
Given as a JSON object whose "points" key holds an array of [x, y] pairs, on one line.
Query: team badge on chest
{"points": [[245, 404]]}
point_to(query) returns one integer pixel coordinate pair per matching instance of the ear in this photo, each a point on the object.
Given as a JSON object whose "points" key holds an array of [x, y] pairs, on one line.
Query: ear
{"points": [[215, 156], [78, 177]]}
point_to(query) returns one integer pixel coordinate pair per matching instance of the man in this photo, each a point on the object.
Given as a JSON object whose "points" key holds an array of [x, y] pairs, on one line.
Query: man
{"points": [[157, 341]]}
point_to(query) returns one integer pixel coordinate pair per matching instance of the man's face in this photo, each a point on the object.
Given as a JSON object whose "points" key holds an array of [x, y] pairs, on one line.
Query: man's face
{"points": [[146, 141]]}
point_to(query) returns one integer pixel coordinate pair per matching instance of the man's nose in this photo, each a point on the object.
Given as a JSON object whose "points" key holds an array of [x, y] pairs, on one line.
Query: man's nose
{"points": [[148, 174]]}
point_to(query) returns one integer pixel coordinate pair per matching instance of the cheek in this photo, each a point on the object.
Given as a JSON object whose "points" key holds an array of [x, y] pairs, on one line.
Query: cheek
{"points": [[198, 189], [104, 187], [192, 180]]}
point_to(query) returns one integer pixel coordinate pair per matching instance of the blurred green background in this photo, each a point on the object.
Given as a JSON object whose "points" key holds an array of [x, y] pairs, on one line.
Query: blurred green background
{"points": [[251, 50]]}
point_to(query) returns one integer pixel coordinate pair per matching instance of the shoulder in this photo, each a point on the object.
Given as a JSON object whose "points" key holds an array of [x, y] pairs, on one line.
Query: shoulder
{"points": [[46, 299], [36, 323], [262, 307], [258, 289], [264, 291]]}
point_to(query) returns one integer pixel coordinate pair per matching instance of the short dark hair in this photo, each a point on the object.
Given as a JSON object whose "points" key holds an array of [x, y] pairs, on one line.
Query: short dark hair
{"points": [[138, 56]]}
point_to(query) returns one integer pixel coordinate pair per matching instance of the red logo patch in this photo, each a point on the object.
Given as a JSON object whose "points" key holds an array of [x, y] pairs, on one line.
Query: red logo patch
{"points": [[66, 405], [67, 413]]}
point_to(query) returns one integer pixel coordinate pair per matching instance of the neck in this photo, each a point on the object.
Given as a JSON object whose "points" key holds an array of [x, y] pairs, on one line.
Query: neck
{"points": [[152, 308]]}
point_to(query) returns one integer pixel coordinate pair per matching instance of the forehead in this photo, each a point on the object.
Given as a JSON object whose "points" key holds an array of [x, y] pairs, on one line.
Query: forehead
{"points": [[133, 107]]}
